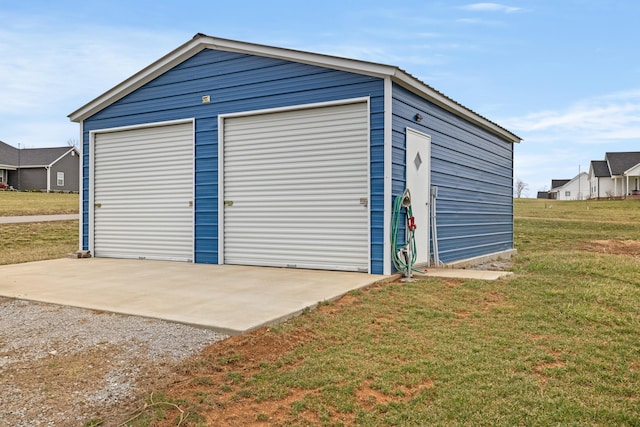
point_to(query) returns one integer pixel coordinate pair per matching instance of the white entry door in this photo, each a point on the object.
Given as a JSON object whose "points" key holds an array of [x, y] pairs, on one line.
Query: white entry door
{"points": [[418, 170]]}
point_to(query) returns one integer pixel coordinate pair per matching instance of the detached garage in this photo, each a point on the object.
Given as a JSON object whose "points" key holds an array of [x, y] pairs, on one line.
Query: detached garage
{"points": [[236, 153]]}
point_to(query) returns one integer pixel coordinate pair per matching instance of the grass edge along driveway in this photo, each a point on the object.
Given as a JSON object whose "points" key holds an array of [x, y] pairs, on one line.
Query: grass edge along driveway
{"points": [[555, 345]]}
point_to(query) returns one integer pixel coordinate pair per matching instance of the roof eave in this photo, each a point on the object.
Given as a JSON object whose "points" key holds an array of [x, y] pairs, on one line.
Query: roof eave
{"points": [[311, 58], [64, 155], [137, 80], [448, 104], [631, 168], [201, 42]]}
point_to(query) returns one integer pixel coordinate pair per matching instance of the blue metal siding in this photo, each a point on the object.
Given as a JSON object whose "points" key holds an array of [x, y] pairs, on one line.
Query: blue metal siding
{"points": [[473, 170], [239, 82]]}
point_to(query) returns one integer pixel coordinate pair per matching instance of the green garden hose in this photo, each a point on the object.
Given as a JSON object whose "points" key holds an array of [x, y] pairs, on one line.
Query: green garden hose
{"points": [[410, 245]]}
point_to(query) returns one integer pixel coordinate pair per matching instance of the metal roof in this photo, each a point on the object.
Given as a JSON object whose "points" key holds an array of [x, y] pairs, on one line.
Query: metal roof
{"points": [[201, 41]]}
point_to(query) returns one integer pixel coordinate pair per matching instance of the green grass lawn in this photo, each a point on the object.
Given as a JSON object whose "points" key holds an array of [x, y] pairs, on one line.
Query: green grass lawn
{"points": [[37, 241], [13, 203], [557, 344]]}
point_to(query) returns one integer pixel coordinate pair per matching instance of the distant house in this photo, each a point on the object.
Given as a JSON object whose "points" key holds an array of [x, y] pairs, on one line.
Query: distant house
{"points": [[618, 175], [43, 169], [570, 189]]}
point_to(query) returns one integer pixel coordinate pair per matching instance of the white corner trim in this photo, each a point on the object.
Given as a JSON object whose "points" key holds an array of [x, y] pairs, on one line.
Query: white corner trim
{"points": [[388, 173], [81, 189], [220, 189]]}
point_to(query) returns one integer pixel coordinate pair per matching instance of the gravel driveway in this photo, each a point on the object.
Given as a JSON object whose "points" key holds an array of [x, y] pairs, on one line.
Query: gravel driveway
{"points": [[64, 366]]}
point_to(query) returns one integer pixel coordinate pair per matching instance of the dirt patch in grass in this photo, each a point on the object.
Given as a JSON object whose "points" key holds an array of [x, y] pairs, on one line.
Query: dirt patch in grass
{"points": [[614, 247], [369, 397], [215, 379]]}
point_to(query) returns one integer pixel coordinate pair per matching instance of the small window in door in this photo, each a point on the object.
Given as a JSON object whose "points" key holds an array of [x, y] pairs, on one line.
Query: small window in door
{"points": [[60, 179], [417, 161]]}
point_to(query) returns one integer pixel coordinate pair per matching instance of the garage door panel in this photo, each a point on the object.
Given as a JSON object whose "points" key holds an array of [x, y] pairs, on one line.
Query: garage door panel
{"points": [[297, 180], [143, 190]]}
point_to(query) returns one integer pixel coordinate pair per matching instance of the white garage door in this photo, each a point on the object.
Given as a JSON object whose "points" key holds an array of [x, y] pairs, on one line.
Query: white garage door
{"points": [[143, 186], [296, 188]]}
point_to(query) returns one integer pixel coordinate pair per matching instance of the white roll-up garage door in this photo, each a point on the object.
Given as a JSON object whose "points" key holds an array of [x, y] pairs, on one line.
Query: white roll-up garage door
{"points": [[296, 188], [143, 193]]}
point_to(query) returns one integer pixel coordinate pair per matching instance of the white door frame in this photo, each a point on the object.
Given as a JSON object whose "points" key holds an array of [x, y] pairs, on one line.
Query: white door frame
{"points": [[221, 121]]}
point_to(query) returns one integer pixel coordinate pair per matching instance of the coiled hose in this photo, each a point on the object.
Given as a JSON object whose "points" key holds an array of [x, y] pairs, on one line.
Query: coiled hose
{"points": [[399, 261]]}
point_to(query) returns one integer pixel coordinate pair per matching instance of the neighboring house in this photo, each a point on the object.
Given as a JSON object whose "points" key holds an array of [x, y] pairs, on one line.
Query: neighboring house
{"points": [[570, 189], [618, 175], [43, 169], [229, 152], [625, 172]]}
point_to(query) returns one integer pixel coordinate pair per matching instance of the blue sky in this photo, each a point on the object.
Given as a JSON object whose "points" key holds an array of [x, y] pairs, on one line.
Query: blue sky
{"points": [[562, 74]]}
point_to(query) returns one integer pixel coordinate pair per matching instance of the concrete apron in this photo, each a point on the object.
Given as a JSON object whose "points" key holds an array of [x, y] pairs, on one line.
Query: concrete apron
{"points": [[229, 298]]}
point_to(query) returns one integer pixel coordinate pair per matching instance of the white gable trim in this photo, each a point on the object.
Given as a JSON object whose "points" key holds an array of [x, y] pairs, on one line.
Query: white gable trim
{"points": [[633, 171], [63, 156], [201, 42]]}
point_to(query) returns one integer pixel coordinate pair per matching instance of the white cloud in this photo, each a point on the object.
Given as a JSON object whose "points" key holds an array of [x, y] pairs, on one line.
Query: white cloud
{"points": [[491, 7], [597, 120], [46, 73], [475, 21], [557, 143]]}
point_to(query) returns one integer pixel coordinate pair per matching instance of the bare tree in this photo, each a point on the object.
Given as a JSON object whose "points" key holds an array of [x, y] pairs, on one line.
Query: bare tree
{"points": [[520, 187], [72, 142]]}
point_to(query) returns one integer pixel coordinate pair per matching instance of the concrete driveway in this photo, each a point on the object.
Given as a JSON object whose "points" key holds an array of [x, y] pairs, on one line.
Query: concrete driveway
{"points": [[232, 299]]}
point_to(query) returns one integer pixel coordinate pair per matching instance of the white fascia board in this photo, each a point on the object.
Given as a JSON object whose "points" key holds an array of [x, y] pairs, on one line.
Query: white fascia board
{"points": [[138, 80], [8, 167], [634, 170], [63, 156], [411, 83], [574, 179], [321, 60], [201, 42]]}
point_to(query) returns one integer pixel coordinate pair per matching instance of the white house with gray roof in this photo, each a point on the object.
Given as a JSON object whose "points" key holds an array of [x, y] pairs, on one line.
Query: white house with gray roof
{"points": [[618, 175], [570, 189]]}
